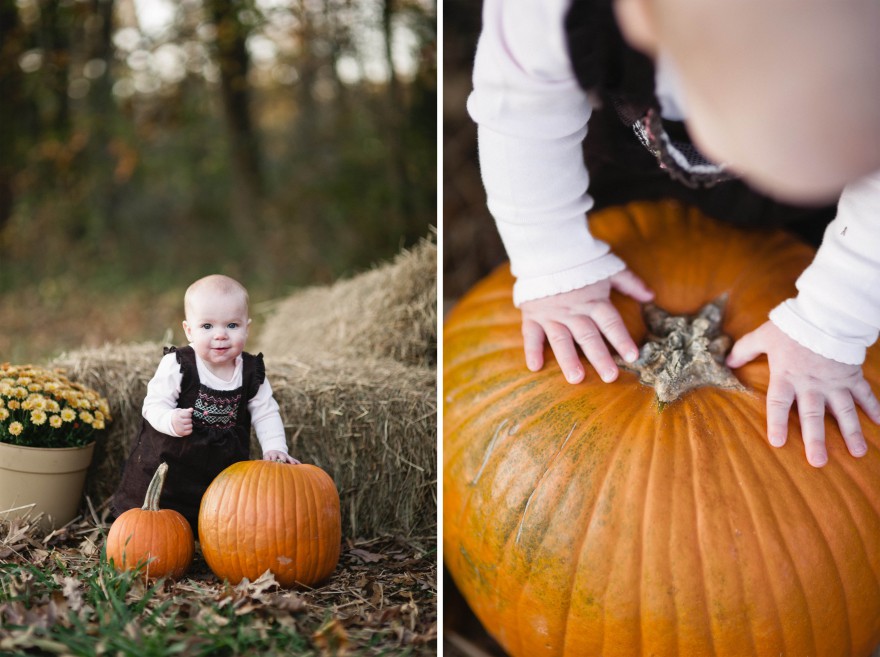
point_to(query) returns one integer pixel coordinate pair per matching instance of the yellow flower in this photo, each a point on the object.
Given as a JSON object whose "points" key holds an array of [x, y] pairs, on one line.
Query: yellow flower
{"points": [[4, 414], [68, 414], [86, 417], [16, 428], [34, 387], [98, 424], [54, 421], [13, 405], [52, 406], [38, 417], [20, 393]]}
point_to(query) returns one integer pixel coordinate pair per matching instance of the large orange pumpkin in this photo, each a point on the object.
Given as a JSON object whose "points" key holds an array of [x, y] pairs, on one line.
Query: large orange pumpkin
{"points": [[591, 520], [261, 515], [160, 538]]}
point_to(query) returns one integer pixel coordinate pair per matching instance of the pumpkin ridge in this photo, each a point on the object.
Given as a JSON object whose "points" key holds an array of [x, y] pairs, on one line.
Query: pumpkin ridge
{"points": [[707, 409], [488, 453], [252, 506], [515, 369], [540, 481], [302, 510], [304, 547], [280, 513], [644, 562], [695, 508], [238, 512], [848, 467], [291, 511], [781, 537], [586, 535], [541, 380]]}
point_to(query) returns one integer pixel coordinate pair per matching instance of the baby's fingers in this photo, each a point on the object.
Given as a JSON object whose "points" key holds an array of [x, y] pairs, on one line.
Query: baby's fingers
{"points": [[563, 348], [626, 282], [864, 396], [780, 397], [842, 407], [745, 350], [611, 325], [589, 337], [533, 344], [811, 410]]}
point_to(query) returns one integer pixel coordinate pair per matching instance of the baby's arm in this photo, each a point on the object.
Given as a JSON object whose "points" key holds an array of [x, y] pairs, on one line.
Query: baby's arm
{"points": [[532, 119], [267, 423], [815, 343], [160, 404]]}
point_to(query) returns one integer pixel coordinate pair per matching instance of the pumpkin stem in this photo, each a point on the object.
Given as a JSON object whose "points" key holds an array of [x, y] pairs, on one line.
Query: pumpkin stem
{"points": [[154, 490], [683, 352]]}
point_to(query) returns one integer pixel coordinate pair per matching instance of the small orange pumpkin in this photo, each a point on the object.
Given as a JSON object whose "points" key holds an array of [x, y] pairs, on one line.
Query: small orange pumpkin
{"points": [[261, 515], [587, 520], [160, 537]]}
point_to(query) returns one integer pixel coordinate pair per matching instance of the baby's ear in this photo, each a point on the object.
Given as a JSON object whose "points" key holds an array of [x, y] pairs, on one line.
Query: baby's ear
{"points": [[186, 329]]}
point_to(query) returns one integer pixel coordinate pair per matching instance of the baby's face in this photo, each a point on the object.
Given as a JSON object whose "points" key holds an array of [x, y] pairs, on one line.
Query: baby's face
{"points": [[786, 93], [217, 326]]}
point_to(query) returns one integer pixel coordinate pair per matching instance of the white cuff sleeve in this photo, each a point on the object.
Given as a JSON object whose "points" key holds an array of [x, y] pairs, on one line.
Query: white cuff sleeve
{"points": [[837, 310], [163, 390]]}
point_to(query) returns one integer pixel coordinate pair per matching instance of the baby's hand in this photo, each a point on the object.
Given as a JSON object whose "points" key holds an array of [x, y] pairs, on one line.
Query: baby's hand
{"points": [[582, 316], [182, 421], [281, 457], [797, 373]]}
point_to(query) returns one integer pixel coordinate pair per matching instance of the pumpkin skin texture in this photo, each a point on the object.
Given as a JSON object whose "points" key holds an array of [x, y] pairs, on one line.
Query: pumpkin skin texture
{"points": [[261, 515], [585, 520], [162, 535]]}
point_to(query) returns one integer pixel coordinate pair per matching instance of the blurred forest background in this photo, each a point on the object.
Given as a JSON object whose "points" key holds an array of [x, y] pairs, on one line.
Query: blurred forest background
{"points": [[145, 143]]}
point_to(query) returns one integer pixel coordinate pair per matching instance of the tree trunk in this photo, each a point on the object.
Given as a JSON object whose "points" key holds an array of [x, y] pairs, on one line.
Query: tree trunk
{"points": [[394, 126], [11, 45], [234, 64], [104, 195]]}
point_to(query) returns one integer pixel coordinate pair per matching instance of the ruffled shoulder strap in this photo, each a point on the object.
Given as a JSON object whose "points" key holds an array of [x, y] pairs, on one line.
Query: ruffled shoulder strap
{"points": [[186, 358], [253, 373]]}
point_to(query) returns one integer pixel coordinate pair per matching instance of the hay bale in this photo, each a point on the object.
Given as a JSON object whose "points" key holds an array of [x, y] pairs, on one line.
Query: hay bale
{"points": [[387, 312], [371, 424]]}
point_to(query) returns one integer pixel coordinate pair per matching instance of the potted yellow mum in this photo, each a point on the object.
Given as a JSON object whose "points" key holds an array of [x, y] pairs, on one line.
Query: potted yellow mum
{"points": [[48, 426]]}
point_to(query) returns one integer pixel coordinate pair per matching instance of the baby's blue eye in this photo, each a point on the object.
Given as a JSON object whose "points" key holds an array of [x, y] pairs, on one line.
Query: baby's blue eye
{"points": [[232, 325], [207, 327]]}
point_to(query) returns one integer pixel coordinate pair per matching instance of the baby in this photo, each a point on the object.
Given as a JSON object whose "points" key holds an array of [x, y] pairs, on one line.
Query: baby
{"points": [[783, 95], [201, 403]]}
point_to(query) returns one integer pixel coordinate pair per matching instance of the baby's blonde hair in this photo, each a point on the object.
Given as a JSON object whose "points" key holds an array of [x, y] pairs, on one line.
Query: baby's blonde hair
{"points": [[214, 284]]}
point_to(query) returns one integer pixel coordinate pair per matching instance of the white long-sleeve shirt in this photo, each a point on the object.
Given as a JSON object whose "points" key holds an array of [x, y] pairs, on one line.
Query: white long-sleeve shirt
{"points": [[532, 116], [164, 388]]}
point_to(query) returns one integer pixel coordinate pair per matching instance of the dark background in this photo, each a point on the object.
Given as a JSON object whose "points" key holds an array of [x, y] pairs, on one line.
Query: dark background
{"points": [[471, 249]]}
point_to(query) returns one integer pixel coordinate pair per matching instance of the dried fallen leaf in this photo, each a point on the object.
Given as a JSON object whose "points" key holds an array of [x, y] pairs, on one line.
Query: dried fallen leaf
{"points": [[331, 639], [367, 557]]}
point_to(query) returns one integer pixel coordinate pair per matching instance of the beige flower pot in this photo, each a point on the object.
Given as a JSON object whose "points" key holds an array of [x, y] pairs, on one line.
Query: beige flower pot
{"points": [[37, 480]]}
